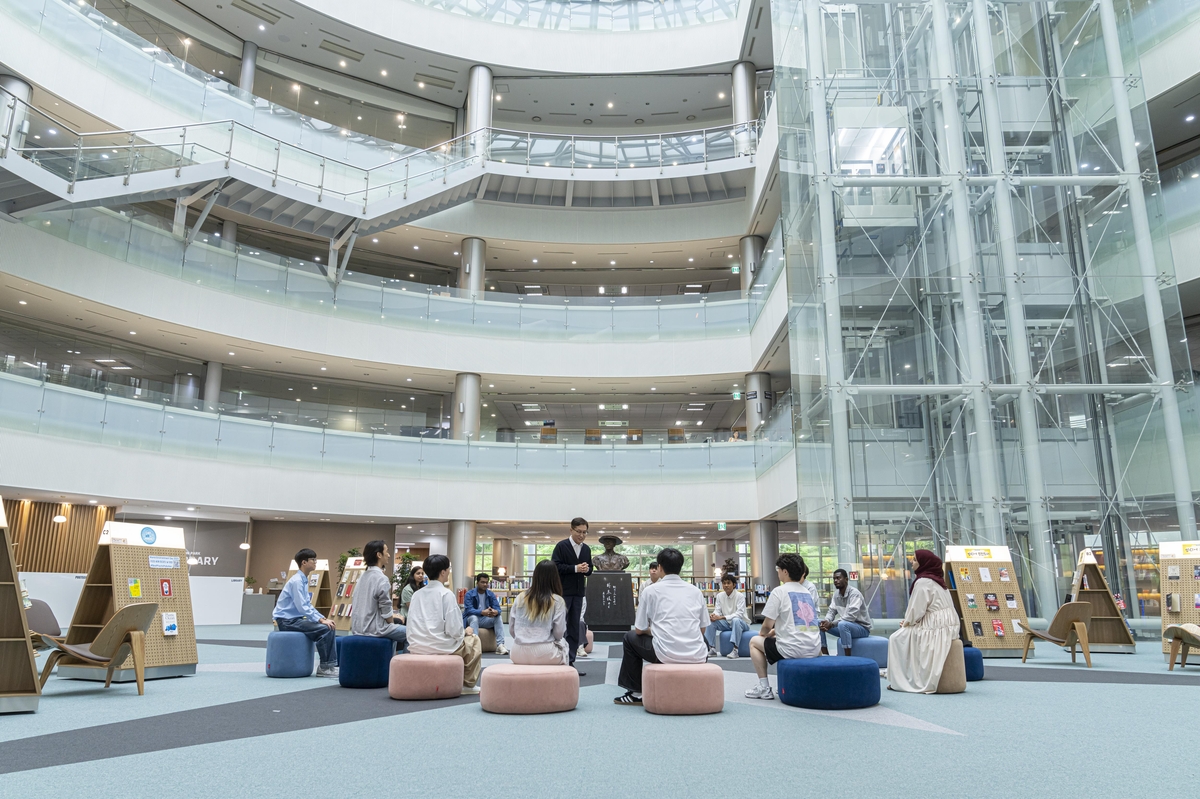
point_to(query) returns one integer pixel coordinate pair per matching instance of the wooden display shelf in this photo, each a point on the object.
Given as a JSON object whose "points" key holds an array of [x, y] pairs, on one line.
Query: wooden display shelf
{"points": [[1107, 631], [1179, 576], [20, 689], [342, 599], [966, 568]]}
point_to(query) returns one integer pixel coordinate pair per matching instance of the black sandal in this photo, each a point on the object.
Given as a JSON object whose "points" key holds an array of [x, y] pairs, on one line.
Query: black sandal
{"points": [[627, 698]]}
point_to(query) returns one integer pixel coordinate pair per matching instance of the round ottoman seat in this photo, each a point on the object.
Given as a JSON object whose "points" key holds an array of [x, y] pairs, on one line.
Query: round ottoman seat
{"points": [[364, 661], [828, 683], [874, 647], [678, 689], [725, 644], [973, 660], [520, 690], [425, 676], [289, 654]]}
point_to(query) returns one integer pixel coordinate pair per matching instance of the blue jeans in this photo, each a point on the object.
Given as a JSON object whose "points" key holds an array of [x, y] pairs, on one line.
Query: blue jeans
{"points": [[399, 634], [846, 631], [735, 628], [493, 623], [316, 632]]}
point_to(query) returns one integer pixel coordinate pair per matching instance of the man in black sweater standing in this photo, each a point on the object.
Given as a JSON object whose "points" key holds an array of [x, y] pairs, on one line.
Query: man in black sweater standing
{"points": [[574, 561]]}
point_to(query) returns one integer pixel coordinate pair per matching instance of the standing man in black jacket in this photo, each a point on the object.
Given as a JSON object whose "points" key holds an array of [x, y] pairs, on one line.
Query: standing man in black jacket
{"points": [[574, 561]]}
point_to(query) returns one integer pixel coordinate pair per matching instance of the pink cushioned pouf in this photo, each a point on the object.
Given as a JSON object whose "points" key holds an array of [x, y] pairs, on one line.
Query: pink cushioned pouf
{"points": [[671, 689], [425, 677], [521, 690], [591, 641]]}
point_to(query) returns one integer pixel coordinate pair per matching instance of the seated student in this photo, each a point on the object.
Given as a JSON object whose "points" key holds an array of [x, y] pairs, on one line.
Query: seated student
{"points": [[538, 618], [847, 602], [372, 612], [294, 612], [435, 623], [789, 628], [729, 614], [482, 609], [668, 628], [656, 572], [416, 581], [917, 651]]}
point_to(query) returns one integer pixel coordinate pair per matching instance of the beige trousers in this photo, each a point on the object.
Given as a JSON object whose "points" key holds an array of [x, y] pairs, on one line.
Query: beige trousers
{"points": [[471, 651]]}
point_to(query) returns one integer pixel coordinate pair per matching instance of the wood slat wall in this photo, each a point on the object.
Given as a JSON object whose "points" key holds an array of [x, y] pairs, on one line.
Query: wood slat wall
{"points": [[44, 546]]}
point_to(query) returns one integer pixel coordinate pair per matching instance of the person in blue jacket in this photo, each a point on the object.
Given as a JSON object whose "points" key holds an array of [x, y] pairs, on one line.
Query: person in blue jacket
{"points": [[482, 609]]}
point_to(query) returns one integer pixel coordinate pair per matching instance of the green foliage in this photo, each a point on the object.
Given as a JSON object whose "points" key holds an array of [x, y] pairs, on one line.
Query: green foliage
{"points": [[250, 581], [352, 553], [402, 572]]}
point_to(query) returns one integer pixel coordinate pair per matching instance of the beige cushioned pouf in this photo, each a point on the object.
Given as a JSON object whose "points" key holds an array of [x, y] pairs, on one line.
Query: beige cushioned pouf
{"points": [[954, 672], [521, 690], [673, 689], [425, 676], [487, 639]]}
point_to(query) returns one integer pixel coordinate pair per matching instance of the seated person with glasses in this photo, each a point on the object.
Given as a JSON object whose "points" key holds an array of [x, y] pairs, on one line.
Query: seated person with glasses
{"points": [[294, 613]]}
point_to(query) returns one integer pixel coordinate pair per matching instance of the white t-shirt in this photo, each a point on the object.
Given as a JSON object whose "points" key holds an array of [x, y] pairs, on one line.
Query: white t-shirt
{"points": [[675, 614], [793, 608]]}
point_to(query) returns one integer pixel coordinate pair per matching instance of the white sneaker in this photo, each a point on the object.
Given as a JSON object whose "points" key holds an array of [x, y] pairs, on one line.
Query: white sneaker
{"points": [[501, 650], [713, 653], [760, 692], [327, 671], [733, 654], [581, 652], [473, 691]]}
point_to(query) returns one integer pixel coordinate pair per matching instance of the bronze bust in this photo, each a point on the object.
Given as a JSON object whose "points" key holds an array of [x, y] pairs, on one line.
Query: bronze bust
{"points": [[610, 560]]}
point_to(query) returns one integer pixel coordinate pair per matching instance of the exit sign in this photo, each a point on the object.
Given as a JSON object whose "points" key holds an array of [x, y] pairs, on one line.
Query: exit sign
{"points": [[720, 527], [737, 270], [737, 395]]}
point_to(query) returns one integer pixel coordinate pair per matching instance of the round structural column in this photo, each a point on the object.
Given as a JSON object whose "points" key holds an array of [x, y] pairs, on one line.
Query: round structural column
{"points": [[702, 561], [752, 250], [764, 551], [464, 415], [11, 85], [745, 110], [228, 234], [479, 107], [472, 266], [212, 386], [460, 546], [502, 555], [249, 66], [758, 401]]}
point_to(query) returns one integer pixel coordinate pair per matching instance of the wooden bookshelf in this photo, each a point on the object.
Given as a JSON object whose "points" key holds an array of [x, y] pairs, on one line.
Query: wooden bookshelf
{"points": [[128, 574], [1107, 631], [342, 600], [974, 573], [20, 688], [1179, 578]]}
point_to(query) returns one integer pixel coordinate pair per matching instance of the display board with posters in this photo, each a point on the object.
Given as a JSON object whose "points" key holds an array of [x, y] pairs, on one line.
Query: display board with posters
{"points": [[986, 595], [1179, 582]]}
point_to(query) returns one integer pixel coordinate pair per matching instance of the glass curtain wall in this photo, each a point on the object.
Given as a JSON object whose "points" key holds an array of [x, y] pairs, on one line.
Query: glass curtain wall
{"points": [[986, 338]]}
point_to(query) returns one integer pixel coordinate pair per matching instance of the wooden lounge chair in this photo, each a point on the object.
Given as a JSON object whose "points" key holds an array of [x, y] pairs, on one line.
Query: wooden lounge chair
{"points": [[1068, 628], [1187, 635], [123, 635]]}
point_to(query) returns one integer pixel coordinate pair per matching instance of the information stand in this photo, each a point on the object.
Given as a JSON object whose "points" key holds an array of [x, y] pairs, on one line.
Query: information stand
{"points": [[318, 586], [137, 563], [19, 684], [343, 597], [1179, 582], [1107, 631], [987, 597]]}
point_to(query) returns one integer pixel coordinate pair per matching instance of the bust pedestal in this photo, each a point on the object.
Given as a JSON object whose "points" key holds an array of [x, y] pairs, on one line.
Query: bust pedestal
{"points": [[609, 601]]}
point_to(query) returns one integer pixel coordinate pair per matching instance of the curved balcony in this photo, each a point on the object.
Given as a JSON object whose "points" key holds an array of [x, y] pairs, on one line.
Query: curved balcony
{"points": [[618, 16]]}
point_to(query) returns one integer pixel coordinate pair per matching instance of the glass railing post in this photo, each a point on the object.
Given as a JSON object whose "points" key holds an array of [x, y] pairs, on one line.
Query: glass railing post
{"points": [[321, 182], [660, 154], [704, 144], [528, 150], [182, 150], [129, 166], [407, 161], [229, 152], [616, 155], [275, 174], [78, 161], [572, 156]]}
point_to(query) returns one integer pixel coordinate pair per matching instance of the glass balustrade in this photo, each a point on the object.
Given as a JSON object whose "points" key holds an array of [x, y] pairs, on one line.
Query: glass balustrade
{"points": [[144, 240], [616, 16], [38, 407]]}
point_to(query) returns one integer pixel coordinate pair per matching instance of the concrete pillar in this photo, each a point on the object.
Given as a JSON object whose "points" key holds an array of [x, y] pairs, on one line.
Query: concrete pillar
{"points": [[185, 390], [752, 250], [229, 235], [12, 122], [212, 386], [464, 414], [479, 106], [758, 401], [472, 266], [745, 109], [249, 58], [764, 551], [502, 554], [702, 561], [460, 548]]}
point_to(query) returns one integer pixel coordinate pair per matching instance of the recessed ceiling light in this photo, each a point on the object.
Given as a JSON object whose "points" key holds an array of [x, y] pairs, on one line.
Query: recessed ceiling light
{"points": [[720, 95], [91, 502], [231, 353], [383, 72], [498, 98], [374, 241], [191, 508], [342, 64], [610, 104], [262, 27], [133, 332], [22, 302], [420, 85], [535, 260], [1189, 118]]}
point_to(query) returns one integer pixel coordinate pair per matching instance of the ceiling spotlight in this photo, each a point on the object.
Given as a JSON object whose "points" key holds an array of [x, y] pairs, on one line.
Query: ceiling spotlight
{"points": [[244, 545], [342, 64], [383, 72], [420, 85], [610, 104], [1190, 118], [133, 332], [720, 95], [497, 98], [262, 27]]}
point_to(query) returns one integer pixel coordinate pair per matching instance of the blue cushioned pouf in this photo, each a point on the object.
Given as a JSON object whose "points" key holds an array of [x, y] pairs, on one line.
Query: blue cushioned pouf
{"points": [[724, 645], [364, 660], [973, 658], [873, 647], [828, 683], [289, 655]]}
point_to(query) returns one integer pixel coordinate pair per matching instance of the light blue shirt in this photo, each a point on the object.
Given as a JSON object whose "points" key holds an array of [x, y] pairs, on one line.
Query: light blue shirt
{"points": [[295, 601]]}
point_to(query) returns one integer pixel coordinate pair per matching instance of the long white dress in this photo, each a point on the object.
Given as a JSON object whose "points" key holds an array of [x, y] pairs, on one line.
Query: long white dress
{"points": [[917, 651]]}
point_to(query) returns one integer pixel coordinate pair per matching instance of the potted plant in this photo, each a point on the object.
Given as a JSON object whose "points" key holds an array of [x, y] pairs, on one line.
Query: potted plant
{"points": [[250, 581], [401, 573]]}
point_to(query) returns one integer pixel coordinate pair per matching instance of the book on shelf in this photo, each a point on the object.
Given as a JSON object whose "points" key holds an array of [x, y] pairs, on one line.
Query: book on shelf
{"points": [[1010, 600], [1016, 623], [990, 602], [998, 628], [971, 601], [1004, 578], [977, 628], [985, 574]]}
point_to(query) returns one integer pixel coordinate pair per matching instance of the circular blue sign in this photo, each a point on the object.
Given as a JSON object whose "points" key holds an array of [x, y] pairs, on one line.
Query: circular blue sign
{"points": [[149, 536]]}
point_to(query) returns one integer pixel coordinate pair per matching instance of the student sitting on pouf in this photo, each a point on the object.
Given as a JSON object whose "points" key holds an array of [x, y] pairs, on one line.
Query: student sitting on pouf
{"points": [[789, 628]]}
